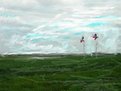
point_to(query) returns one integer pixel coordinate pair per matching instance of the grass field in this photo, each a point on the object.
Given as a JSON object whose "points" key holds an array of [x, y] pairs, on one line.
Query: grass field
{"points": [[62, 73]]}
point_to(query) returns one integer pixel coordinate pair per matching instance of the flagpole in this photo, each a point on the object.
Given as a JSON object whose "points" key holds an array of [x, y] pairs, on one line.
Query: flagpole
{"points": [[84, 48], [96, 44], [83, 44]]}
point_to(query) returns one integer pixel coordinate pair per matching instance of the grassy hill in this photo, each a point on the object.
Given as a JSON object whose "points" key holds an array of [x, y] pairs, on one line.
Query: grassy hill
{"points": [[61, 73]]}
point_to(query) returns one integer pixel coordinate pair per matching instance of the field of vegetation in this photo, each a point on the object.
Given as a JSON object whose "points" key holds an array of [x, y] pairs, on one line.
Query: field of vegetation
{"points": [[61, 73]]}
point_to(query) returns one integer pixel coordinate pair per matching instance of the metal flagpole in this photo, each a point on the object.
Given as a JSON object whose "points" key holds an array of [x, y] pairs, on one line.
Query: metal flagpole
{"points": [[83, 44], [84, 48], [96, 43]]}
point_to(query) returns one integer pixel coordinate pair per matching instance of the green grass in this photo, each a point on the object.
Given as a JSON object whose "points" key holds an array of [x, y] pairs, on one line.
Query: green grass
{"points": [[65, 73]]}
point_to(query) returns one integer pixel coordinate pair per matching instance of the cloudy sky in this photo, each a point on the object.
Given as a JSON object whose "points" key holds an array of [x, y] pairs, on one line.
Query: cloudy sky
{"points": [[56, 26]]}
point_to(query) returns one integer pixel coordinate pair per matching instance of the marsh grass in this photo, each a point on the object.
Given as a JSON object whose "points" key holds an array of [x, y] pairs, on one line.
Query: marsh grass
{"points": [[66, 73]]}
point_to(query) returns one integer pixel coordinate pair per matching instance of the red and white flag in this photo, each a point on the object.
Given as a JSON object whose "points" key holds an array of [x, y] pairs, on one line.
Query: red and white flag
{"points": [[82, 40], [95, 36]]}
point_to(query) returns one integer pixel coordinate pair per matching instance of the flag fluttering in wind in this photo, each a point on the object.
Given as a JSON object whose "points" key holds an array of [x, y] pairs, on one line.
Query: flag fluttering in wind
{"points": [[95, 36], [82, 40]]}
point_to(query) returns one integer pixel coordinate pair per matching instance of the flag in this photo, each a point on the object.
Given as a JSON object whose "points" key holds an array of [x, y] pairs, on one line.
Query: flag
{"points": [[95, 36], [82, 40]]}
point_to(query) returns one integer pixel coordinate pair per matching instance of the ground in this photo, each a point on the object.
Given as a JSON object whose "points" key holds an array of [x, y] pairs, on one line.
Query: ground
{"points": [[60, 73]]}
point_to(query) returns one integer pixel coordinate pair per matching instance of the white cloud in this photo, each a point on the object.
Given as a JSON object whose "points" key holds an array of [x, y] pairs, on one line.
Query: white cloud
{"points": [[57, 25]]}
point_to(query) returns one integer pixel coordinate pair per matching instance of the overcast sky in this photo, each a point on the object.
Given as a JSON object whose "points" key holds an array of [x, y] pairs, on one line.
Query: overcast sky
{"points": [[56, 26]]}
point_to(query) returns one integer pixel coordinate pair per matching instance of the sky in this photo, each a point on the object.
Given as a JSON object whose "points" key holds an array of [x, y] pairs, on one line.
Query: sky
{"points": [[56, 26]]}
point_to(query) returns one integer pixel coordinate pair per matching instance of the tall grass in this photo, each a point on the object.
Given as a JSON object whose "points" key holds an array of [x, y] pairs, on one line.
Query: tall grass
{"points": [[65, 73]]}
